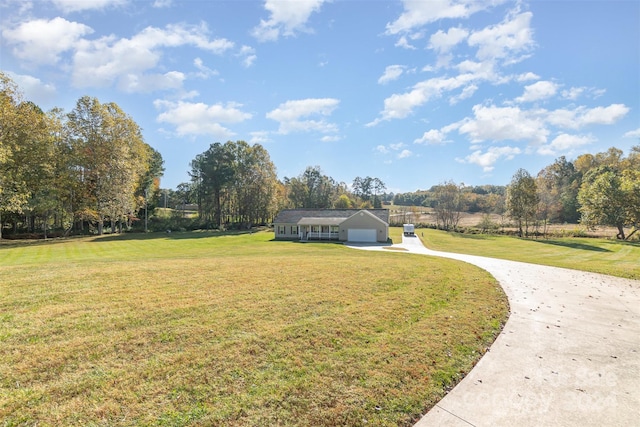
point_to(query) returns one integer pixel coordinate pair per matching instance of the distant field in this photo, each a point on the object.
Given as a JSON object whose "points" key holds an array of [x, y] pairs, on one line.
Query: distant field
{"points": [[423, 215], [606, 256], [234, 330]]}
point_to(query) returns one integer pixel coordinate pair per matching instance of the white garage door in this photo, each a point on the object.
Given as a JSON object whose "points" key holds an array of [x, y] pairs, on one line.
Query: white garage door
{"points": [[361, 235]]}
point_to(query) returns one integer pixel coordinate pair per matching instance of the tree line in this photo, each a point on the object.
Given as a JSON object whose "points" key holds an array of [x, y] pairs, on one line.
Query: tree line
{"points": [[472, 199], [600, 189], [89, 167], [235, 185]]}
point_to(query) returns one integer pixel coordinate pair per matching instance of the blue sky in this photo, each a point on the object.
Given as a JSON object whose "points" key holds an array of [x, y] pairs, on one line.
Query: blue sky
{"points": [[412, 92]]}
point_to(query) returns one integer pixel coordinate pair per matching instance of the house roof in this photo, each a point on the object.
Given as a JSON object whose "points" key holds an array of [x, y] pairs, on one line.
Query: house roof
{"points": [[320, 221], [325, 216]]}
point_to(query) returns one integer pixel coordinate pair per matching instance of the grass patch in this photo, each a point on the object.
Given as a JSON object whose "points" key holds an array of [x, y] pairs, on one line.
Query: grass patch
{"points": [[395, 235], [606, 256], [234, 330]]}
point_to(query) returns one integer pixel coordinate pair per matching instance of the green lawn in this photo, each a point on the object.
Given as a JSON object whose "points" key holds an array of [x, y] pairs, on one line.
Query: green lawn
{"points": [[606, 256], [233, 330]]}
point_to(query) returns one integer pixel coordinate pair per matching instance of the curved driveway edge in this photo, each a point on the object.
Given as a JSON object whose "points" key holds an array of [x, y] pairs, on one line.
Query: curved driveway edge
{"points": [[569, 354]]}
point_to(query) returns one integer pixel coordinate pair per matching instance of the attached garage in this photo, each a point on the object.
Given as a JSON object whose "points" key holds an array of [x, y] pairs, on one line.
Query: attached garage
{"points": [[361, 235]]}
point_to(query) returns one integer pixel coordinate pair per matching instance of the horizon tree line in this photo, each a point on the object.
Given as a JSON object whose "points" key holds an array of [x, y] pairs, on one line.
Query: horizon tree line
{"points": [[92, 167]]}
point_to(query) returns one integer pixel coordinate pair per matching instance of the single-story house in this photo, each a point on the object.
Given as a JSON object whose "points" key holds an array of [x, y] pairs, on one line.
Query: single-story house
{"points": [[347, 225]]}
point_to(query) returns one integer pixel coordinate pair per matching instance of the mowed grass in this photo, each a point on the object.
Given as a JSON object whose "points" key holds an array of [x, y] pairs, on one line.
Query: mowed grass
{"points": [[606, 256], [233, 330]]}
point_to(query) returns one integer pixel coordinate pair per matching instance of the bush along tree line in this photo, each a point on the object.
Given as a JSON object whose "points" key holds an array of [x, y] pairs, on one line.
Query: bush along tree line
{"points": [[90, 168]]}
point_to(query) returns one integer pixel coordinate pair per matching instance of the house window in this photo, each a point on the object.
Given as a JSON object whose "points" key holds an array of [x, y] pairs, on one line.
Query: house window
{"points": [[325, 228], [334, 228], [294, 229], [315, 228], [281, 229]]}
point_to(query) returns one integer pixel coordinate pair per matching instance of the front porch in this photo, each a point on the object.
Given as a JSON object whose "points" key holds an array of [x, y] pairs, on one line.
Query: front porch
{"points": [[319, 229]]}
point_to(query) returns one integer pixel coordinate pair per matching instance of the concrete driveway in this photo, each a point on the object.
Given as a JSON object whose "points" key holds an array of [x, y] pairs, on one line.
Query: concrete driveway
{"points": [[569, 354]]}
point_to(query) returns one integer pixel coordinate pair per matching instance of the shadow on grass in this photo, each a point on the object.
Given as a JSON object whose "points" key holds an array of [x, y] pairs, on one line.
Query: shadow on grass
{"points": [[573, 245], [633, 243], [176, 235], [10, 243]]}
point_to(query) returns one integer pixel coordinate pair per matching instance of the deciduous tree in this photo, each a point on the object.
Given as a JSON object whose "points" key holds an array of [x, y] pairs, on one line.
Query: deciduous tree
{"points": [[522, 200], [112, 158], [448, 205]]}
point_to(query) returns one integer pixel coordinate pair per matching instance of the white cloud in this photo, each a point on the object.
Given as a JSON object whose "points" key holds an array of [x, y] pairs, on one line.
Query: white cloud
{"points": [[330, 138], [418, 13], [68, 6], [204, 72], [259, 137], [103, 61], [293, 115], [137, 83], [480, 70], [199, 118], [444, 42], [42, 41], [580, 117], [488, 159], [107, 60], [396, 149], [604, 115], [399, 106], [565, 143], [491, 123], [527, 77], [466, 93], [512, 36], [573, 93], [533, 126], [563, 118], [159, 4], [287, 18], [404, 154], [538, 91], [18, 7], [34, 89], [382, 149], [404, 43], [392, 72], [248, 55], [632, 134], [432, 137], [577, 92]]}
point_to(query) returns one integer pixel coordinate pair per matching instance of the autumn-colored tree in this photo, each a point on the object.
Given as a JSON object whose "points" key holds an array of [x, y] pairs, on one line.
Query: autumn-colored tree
{"points": [[112, 158], [26, 152], [522, 200], [610, 192]]}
